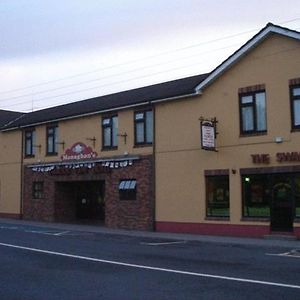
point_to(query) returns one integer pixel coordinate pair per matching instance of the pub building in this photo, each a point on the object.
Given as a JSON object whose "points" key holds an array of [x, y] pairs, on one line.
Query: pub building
{"points": [[215, 153]]}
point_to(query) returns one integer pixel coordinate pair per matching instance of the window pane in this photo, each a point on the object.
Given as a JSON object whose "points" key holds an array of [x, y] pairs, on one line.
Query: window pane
{"points": [[247, 119], [50, 145], [115, 131], [139, 132], [106, 121], [296, 91], [149, 126], [247, 99], [296, 112], [55, 139], [33, 142], [107, 136], [122, 185], [217, 196], [132, 184], [28, 147], [256, 196], [261, 112], [139, 116]]}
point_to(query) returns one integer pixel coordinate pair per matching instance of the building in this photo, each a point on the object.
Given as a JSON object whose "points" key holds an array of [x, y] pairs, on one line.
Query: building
{"points": [[217, 153]]}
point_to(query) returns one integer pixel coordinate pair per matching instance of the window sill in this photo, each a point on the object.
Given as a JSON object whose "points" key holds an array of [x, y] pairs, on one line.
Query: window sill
{"points": [[295, 130], [143, 145], [52, 154], [219, 218], [256, 219], [109, 149], [29, 156], [251, 134]]}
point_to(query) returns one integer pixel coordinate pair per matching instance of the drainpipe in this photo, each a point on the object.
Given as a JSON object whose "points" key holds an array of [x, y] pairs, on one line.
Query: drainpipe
{"points": [[154, 168], [22, 176]]}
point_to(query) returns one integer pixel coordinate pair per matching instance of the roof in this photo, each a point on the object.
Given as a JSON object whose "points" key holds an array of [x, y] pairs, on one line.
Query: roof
{"points": [[241, 52], [140, 96], [7, 116]]}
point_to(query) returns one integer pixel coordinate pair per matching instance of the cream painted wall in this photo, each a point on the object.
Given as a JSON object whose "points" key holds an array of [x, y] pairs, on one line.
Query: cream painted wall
{"points": [[10, 172], [180, 163], [84, 128]]}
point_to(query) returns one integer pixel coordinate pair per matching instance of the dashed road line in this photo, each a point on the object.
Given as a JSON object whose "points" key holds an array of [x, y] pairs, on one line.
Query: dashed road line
{"points": [[204, 275]]}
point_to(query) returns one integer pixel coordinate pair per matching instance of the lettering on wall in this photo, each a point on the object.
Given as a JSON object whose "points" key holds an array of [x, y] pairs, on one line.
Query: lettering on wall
{"points": [[279, 157]]}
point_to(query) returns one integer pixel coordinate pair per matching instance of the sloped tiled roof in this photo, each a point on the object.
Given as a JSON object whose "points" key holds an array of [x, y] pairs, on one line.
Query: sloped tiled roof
{"points": [[148, 94], [7, 116]]}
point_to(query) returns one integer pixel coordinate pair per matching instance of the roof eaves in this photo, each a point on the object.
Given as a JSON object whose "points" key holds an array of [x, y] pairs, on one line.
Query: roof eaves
{"points": [[253, 42]]}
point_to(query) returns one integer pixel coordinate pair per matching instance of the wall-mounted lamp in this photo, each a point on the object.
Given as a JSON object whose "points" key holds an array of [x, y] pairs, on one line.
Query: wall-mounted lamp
{"points": [[93, 139], [123, 135], [62, 144]]}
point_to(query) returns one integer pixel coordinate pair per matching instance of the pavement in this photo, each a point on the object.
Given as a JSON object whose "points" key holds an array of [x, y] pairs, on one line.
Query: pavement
{"points": [[275, 241]]}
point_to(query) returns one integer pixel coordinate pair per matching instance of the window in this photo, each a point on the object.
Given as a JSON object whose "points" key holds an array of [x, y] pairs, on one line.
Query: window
{"points": [[52, 140], [143, 125], [29, 142], [38, 190], [256, 195], [110, 132], [127, 189], [253, 112], [295, 106], [217, 196]]}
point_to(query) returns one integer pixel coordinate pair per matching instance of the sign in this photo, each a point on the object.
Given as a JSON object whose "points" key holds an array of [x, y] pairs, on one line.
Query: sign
{"points": [[208, 135], [79, 151], [280, 157]]}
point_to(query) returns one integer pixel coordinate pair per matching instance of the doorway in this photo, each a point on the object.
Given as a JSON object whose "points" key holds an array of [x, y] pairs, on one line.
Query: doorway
{"points": [[89, 197], [282, 203], [82, 201]]}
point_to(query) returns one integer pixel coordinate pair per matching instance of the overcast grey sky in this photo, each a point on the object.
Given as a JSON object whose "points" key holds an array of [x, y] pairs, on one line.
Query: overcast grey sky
{"points": [[59, 51]]}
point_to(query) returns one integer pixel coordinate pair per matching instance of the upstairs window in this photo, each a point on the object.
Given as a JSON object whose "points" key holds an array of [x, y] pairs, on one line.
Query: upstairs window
{"points": [[52, 140], [253, 112], [295, 106], [29, 143], [110, 132], [143, 125]]}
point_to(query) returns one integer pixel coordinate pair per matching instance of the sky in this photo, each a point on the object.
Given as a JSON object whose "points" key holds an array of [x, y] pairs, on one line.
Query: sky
{"points": [[60, 51]]}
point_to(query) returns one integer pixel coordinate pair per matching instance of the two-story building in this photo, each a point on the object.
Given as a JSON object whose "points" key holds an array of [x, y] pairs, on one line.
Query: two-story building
{"points": [[217, 153]]}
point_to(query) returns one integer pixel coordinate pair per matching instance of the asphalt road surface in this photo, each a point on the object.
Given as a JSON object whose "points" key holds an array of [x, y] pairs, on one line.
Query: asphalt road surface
{"points": [[46, 263]]}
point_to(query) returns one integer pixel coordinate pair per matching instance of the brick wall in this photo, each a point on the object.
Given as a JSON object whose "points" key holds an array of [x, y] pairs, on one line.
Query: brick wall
{"points": [[59, 205]]}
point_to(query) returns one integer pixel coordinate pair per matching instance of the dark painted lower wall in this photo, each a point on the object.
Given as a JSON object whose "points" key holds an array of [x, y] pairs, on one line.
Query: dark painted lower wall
{"points": [[254, 231]]}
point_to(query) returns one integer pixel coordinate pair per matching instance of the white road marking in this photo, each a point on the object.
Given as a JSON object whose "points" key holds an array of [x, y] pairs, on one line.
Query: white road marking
{"points": [[276, 284], [162, 243], [61, 233], [292, 253]]}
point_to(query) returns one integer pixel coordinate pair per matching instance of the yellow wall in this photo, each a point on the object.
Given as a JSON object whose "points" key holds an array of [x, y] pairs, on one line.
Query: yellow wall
{"points": [[84, 128], [10, 172], [180, 163]]}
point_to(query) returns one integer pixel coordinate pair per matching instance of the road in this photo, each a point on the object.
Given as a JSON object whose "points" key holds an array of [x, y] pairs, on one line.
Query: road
{"points": [[55, 263]]}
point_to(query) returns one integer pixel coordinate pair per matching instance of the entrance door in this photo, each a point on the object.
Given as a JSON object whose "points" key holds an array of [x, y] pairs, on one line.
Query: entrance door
{"points": [[282, 212], [90, 200]]}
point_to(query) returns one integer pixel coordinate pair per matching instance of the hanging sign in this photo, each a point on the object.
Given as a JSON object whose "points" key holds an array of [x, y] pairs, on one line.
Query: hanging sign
{"points": [[208, 135], [79, 151]]}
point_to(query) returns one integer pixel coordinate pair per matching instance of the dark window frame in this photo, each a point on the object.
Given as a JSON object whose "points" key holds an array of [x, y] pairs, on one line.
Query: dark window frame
{"points": [[110, 125], [127, 193], [246, 204], [209, 210], [144, 122], [253, 94], [29, 136], [53, 136], [38, 190], [292, 99]]}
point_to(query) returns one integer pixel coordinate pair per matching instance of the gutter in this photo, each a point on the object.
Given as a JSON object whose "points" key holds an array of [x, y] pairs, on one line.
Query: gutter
{"points": [[105, 111]]}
